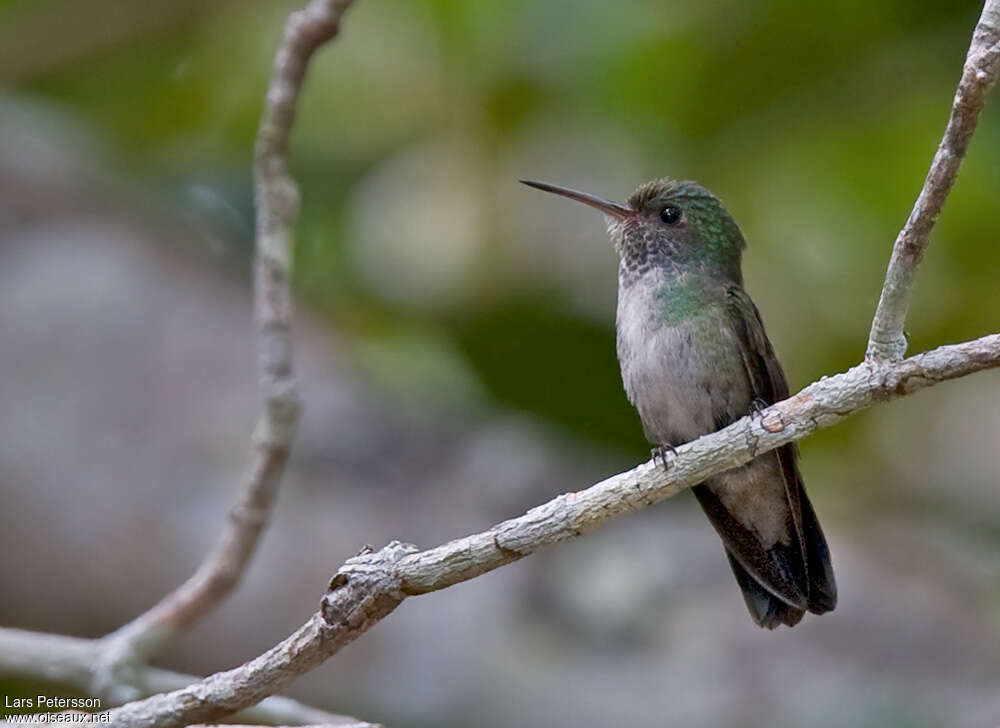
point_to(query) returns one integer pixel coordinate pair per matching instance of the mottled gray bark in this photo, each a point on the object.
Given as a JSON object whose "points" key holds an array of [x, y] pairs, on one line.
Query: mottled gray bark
{"points": [[72, 661], [979, 74], [115, 666], [277, 201], [372, 584]]}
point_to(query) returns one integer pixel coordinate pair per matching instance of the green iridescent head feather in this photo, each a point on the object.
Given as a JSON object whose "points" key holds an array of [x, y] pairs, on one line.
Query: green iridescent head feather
{"points": [[705, 210]]}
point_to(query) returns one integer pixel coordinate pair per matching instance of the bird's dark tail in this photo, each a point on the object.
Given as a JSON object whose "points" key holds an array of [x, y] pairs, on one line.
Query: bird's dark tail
{"points": [[822, 586], [781, 579], [768, 610], [765, 608]]}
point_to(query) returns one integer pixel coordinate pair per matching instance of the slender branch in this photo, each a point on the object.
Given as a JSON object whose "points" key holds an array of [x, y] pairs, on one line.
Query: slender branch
{"points": [[371, 585], [83, 718], [277, 212], [979, 74], [60, 720], [71, 662], [115, 666]]}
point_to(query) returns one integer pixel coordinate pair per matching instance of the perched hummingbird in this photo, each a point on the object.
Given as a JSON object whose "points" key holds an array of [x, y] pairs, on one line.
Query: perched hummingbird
{"points": [[694, 358]]}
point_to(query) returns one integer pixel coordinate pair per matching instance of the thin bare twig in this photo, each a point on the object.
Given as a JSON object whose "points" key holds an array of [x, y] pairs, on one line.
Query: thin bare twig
{"points": [[371, 585], [78, 717], [979, 74], [277, 211], [71, 662], [60, 720], [115, 666]]}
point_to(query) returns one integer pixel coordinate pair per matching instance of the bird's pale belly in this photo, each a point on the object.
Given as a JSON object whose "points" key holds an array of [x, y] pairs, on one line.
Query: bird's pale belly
{"points": [[686, 380]]}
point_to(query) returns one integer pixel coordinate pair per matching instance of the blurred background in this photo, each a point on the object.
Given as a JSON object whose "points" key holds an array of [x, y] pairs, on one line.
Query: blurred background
{"points": [[456, 345]]}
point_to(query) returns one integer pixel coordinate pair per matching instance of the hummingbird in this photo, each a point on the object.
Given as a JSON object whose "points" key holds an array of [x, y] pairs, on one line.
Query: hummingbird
{"points": [[694, 358]]}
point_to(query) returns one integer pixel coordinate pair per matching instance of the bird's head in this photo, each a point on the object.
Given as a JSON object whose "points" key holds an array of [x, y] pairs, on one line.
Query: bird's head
{"points": [[667, 222]]}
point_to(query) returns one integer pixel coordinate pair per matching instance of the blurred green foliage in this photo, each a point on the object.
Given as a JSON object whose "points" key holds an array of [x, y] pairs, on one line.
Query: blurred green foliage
{"points": [[815, 122]]}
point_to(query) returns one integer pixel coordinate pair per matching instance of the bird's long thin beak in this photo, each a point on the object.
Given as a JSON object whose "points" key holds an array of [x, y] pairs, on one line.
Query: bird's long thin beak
{"points": [[614, 209]]}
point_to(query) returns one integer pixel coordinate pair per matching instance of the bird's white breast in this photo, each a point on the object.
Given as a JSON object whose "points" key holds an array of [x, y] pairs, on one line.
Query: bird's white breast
{"points": [[681, 377]]}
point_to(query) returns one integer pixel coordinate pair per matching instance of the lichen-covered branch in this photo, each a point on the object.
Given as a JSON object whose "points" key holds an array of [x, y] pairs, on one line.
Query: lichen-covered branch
{"points": [[979, 74], [371, 585], [72, 661], [277, 212]]}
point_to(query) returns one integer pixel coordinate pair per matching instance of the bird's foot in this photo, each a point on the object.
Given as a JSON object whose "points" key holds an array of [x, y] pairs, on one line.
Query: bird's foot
{"points": [[660, 451], [757, 407]]}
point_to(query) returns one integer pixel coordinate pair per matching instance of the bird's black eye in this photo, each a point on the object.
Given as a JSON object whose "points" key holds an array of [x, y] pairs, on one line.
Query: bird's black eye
{"points": [[671, 214]]}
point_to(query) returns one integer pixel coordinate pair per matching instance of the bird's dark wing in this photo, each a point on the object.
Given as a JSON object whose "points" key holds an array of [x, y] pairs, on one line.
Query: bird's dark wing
{"points": [[768, 381]]}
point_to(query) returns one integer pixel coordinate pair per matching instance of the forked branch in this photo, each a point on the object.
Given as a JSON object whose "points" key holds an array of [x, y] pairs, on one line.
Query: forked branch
{"points": [[371, 585], [979, 75], [277, 201]]}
